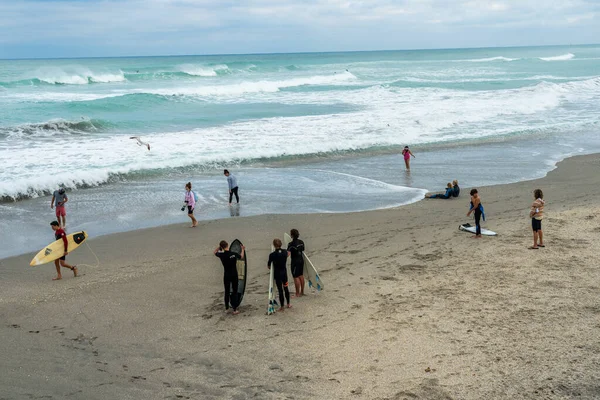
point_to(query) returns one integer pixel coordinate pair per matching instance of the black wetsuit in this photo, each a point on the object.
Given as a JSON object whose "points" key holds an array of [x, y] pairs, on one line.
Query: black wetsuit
{"points": [[296, 248], [478, 213], [277, 260], [230, 277]]}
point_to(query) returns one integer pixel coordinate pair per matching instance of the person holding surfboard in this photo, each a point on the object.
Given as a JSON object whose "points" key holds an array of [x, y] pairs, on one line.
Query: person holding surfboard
{"points": [[477, 208], [230, 275], [407, 153], [278, 259], [190, 201], [59, 233], [295, 250], [59, 199], [233, 186]]}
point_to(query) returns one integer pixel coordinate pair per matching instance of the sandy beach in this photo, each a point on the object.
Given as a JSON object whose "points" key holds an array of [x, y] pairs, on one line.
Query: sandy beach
{"points": [[413, 308]]}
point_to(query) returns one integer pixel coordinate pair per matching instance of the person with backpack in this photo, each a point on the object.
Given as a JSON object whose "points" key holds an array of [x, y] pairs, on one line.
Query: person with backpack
{"points": [[190, 201]]}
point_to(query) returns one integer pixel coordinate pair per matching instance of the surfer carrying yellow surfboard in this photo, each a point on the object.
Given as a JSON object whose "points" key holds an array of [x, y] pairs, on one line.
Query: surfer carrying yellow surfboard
{"points": [[59, 233]]}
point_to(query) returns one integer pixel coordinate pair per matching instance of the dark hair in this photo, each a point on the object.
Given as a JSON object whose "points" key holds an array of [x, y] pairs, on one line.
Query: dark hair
{"points": [[61, 191], [189, 185], [473, 191], [225, 171], [406, 147], [54, 223], [538, 194], [277, 243], [223, 244], [294, 233]]}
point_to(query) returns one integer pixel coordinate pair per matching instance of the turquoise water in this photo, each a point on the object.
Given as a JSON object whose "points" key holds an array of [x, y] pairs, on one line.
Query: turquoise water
{"points": [[304, 132]]}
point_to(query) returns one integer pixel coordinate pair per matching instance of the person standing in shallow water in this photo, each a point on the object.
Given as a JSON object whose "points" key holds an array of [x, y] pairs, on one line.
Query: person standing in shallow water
{"points": [[233, 186], [190, 201], [59, 199], [407, 154]]}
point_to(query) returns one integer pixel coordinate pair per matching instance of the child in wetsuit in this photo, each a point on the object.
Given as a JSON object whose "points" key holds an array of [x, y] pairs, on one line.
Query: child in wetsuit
{"points": [[449, 193], [295, 251], [278, 258], [230, 276]]}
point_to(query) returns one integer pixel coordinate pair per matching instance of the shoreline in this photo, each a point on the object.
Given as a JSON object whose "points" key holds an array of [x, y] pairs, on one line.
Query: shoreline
{"points": [[412, 308]]}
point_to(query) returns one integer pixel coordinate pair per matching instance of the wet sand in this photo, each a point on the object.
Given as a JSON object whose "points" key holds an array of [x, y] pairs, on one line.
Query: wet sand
{"points": [[413, 308]]}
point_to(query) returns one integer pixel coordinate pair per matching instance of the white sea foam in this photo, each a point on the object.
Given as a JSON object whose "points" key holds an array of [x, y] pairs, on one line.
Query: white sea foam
{"points": [[563, 57], [75, 76], [202, 70], [490, 59], [386, 116]]}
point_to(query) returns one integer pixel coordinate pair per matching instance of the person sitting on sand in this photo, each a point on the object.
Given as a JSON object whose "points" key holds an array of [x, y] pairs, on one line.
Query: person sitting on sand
{"points": [[59, 233], [295, 251], [477, 208], [456, 189], [537, 215], [278, 259], [230, 275], [190, 201], [407, 153], [449, 193]]}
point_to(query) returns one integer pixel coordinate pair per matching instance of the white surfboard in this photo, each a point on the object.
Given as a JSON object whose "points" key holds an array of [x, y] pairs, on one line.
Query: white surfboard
{"points": [[310, 272], [272, 301], [472, 229]]}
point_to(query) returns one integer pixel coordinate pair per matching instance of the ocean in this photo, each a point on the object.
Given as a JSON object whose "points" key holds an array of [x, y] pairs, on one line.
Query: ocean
{"points": [[303, 133]]}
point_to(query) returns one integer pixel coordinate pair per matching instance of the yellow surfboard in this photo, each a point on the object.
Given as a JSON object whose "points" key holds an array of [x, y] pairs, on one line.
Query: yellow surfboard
{"points": [[56, 249]]}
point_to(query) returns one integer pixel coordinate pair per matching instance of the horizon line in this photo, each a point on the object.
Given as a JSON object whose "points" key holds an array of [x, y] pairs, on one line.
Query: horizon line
{"points": [[299, 52]]}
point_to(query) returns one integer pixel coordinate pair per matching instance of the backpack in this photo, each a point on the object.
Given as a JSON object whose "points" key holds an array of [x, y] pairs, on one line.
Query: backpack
{"points": [[195, 197]]}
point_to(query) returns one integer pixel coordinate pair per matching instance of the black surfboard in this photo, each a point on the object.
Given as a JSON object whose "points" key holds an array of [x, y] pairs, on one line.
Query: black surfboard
{"points": [[242, 267]]}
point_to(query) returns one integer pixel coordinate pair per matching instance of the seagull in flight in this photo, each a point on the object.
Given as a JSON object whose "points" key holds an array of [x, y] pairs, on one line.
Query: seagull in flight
{"points": [[140, 143]]}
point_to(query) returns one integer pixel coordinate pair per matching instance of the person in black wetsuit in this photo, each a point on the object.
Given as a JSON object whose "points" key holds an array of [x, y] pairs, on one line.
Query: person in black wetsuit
{"points": [[476, 208], [278, 258], [456, 189], [230, 276], [449, 193], [295, 250]]}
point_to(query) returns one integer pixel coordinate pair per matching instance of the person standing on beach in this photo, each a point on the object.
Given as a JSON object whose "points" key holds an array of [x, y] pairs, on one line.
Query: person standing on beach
{"points": [[190, 201], [230, 275], [59, 199], [233, 186], [59, 233], [295, 251], [537, 215], [278, 259], [476, 208], [407, 153]]}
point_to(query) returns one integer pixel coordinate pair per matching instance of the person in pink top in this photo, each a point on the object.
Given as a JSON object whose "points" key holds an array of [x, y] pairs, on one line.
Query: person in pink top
{"points": [[407, 153], [190, 201]]}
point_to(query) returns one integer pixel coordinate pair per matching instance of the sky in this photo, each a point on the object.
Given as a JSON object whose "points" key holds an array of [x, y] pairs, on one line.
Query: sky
{"points": [[97, 28]]}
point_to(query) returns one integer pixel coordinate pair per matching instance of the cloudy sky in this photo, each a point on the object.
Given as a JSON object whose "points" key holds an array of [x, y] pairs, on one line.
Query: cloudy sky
{"points": [[74, 28]]}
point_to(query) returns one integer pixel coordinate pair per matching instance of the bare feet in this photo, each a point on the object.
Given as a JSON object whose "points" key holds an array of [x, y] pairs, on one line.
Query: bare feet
{"points": [[289, 306], [236, 312], [58, 278], [75, 271], [281, 309]]}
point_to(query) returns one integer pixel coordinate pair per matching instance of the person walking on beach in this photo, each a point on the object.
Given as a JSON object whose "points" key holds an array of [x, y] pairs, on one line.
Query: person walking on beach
{"points": [[230, 275], [59, 233], [476, 208], [278, 259], [190, 201], [537, 215], [295, 251], [233, 186], [59, 199], [407, 153]]}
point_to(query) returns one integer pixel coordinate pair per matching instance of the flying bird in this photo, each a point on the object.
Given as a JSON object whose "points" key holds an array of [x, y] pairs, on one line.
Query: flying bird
{"points": [[140, 143]]}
